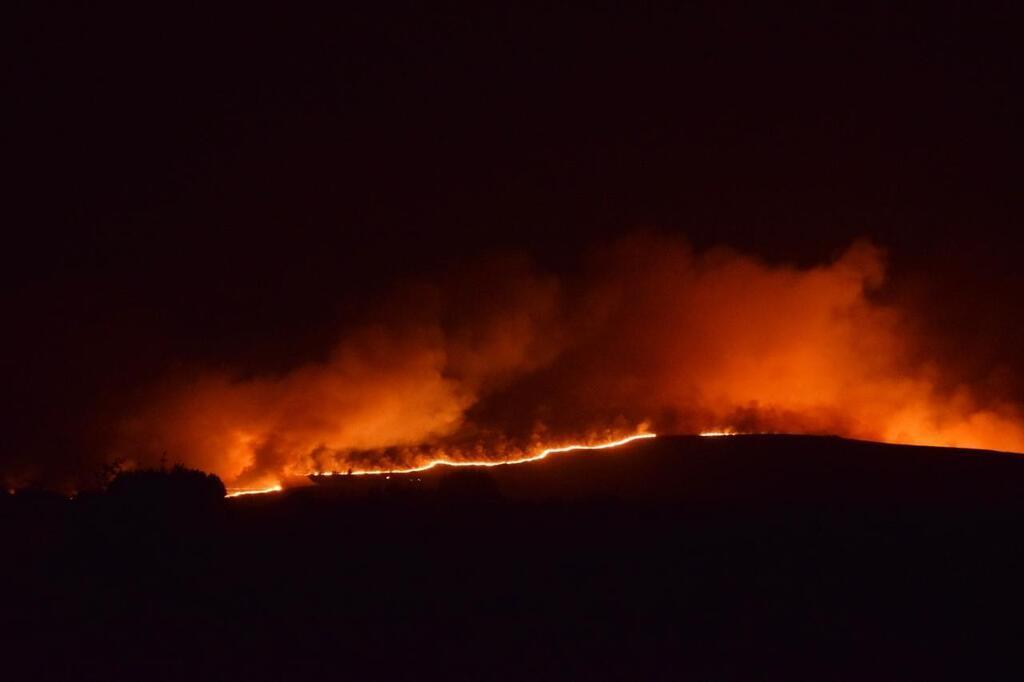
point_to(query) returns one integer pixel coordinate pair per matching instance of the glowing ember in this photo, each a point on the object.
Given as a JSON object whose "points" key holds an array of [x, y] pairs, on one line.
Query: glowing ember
{"points": [[711, 434], [239, 492], [486, 463]]}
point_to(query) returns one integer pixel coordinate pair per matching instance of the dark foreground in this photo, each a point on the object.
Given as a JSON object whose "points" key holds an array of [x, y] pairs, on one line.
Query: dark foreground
{"points": [[740, 558]]}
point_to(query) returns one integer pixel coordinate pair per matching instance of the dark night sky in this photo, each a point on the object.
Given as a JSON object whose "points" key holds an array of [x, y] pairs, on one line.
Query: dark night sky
{"points": [[228, 187]]}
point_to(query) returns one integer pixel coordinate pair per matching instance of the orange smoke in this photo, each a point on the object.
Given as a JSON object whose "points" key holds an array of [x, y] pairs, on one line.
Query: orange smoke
{"points": [[730, 343], [501, 362]]}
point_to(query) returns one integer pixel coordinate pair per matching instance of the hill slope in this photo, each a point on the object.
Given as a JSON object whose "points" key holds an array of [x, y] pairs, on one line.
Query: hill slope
{"points": [[760, 557]]}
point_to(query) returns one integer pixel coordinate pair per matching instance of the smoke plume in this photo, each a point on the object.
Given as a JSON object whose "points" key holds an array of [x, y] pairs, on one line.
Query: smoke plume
{"points": [[502, 358]]}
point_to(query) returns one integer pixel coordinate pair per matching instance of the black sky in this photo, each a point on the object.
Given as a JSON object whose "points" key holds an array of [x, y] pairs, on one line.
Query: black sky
{"points": [[228, 186]]}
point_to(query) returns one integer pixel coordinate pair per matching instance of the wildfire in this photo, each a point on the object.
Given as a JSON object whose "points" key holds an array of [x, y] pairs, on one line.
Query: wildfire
{"points": [[239, 492], [490, 463], [652, 332]]}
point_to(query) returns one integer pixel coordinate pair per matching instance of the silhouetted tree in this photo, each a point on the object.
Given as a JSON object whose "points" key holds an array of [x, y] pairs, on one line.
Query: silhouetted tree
{"points": [[176, 488], [107, 472]]}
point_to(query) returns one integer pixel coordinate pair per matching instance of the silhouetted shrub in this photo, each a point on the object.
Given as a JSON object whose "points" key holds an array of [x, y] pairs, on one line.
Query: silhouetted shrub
{"points": [[177, 488]]}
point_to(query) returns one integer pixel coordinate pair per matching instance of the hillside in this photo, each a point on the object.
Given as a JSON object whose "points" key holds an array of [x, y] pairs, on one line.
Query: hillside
{"points": [[747, 557]]}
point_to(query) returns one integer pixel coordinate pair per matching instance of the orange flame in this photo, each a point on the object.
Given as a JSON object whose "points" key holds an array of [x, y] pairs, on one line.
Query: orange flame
{"points": [[239, 492], [493, 463]]}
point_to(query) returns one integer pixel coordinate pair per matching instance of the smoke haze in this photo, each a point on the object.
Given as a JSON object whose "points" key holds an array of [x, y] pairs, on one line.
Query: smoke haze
{"points": [[502, 358]]}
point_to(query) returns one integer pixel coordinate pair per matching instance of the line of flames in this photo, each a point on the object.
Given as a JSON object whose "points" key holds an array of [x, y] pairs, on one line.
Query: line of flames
{"points": [[239, 492], [455, 463]]}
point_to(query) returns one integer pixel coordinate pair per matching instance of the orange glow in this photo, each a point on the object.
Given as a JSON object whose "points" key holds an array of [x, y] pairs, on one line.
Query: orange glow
{"points": [[486, 366], [494, 463], [714, 434]]}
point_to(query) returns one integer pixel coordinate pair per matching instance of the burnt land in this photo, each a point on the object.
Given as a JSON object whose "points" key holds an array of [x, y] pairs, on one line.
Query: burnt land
{"points": [[745, 557]]}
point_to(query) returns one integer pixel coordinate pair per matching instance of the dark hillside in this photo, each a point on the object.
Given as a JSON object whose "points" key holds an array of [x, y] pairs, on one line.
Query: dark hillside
{"points": [[747, 557]]}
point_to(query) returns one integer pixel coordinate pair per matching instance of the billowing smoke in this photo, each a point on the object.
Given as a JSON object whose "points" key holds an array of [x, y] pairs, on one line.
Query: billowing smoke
{"points": [[501, 359]]}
